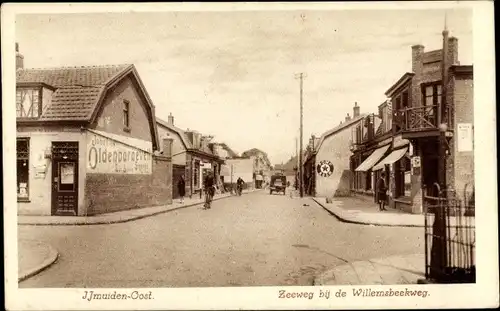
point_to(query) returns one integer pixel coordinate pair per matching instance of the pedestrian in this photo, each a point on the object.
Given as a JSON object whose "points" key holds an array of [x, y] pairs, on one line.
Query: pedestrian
{"points": [[181, 187], [381, 192]]}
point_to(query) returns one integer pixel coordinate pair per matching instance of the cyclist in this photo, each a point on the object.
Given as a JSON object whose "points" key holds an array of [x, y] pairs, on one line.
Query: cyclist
{"points": [[239, 185], [209, 187]]}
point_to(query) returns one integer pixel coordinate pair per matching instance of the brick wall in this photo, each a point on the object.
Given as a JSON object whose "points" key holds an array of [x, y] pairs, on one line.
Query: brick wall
{"points": [[106, 193], [463, 113]]}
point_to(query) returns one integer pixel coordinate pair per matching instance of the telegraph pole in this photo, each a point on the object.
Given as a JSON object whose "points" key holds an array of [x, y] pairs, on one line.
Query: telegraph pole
{"points": [[301, 76], [439, 251]]}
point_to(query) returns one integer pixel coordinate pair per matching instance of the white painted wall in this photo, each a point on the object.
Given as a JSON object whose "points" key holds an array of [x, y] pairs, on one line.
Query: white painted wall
{"points": [[241, 168], [335, 149], [40, 188], [178, 149]]}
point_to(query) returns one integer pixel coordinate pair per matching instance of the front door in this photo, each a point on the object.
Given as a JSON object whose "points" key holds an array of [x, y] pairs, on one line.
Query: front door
{"points": [[64, 178]]}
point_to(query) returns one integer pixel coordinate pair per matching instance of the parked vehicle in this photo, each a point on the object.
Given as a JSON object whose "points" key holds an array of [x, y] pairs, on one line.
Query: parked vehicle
{"points": [[277, 184]]}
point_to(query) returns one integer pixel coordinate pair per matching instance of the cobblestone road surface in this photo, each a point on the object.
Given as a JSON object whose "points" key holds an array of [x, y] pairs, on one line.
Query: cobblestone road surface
{"points": [[256, 239]]}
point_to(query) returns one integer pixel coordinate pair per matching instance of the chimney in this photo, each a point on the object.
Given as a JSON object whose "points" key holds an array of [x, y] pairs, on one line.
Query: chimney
{"points": [[167, 147], [19, 58], [171, 119], [355, 110], [453, 51], [417, 51], [347, 117]]}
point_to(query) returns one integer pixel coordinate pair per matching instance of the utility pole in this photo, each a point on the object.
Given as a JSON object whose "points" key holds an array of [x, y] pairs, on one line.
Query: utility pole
{"points": [[301, 76], [439, 251]]}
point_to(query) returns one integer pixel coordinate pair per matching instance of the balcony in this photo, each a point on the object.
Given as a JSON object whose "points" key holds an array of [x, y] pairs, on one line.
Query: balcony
{"points": [[415, 122]]}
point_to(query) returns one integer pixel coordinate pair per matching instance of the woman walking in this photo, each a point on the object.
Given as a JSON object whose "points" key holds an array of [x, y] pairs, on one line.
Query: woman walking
{"points": [[181, 186], [381, 192]]}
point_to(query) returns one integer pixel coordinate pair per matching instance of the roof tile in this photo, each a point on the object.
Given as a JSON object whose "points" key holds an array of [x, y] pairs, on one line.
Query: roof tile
{"points": [[77, 88]]}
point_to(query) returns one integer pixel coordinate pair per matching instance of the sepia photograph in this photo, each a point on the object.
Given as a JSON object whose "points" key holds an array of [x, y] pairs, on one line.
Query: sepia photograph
{"points": [[328, 155]]}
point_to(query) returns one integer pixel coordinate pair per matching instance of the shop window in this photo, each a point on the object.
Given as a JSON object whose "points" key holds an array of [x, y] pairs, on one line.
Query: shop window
{"points": [[196, 174], [23, 168], [403, 177], [368, 181]]}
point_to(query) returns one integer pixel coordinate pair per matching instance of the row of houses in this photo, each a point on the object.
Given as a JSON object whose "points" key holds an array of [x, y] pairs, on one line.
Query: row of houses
{"points": [[402, 137], [89, 142]]}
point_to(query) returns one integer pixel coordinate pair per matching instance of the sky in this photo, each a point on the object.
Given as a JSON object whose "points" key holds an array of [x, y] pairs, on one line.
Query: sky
{"points": [[232, 74]]}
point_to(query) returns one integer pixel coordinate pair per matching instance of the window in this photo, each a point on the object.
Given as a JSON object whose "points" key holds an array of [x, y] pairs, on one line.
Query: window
{"points": [[23, 168], [196, 174], [431, 99], [126, 114], [28, 103], [403, 177], [368, 181], [405, 99]]}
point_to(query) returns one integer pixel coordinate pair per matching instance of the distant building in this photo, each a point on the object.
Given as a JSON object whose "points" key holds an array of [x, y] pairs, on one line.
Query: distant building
{"points": [[192, 156], [262, 166], [238, 167], [84, 136]]}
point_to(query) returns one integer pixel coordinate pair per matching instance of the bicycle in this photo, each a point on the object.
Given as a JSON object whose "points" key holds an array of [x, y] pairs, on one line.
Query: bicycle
{"points": [[209, 195]]}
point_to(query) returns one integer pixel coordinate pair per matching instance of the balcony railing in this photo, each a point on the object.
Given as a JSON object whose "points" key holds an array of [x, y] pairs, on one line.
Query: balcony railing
{"points": [[420, 118]]}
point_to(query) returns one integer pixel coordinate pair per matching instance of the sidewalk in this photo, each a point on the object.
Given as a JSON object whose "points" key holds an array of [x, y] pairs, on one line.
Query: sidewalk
{"points": [[34, 257], [117, 217], [392, 270], [357, 211]]}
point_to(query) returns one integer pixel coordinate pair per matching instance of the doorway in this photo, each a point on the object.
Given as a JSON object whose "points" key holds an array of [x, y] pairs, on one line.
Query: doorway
{"points": [[64, 179]]}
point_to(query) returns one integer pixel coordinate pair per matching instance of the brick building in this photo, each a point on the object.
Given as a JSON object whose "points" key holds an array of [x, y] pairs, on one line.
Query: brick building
{"points": [[332, 173], [193, 155], [411, 159], [84, 135]]}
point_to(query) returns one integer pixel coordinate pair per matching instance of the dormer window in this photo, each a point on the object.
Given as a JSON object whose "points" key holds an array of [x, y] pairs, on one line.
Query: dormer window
{"points": [[31, 100], [28, 103]]}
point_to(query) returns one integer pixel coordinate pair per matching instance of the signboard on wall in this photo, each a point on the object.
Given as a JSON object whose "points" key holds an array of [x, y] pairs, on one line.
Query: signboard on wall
{"points": [[465, 137], [112, 154]]}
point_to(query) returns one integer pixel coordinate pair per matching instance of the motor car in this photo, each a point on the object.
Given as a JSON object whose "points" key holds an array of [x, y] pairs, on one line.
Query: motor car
{"points": [[277, 184]]}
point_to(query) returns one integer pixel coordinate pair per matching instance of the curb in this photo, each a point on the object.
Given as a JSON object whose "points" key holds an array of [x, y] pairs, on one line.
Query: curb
{"points": [[368, 223], [52, 259], [322, 278], [123, 220]]}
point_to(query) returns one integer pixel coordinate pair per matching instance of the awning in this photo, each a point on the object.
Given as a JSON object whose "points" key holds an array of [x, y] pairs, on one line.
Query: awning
{"points": [[391, 158], [372, 159]]}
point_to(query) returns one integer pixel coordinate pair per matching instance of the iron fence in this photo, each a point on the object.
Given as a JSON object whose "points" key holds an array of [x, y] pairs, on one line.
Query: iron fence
{"points": [[450, 239]]}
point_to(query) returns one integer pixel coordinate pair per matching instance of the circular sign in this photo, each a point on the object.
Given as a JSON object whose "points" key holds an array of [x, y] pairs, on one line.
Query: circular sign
{"points": [[325, 168]]}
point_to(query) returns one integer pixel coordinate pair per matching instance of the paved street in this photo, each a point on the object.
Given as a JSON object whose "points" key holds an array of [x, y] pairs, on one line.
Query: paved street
{"points": [[255, 239]]}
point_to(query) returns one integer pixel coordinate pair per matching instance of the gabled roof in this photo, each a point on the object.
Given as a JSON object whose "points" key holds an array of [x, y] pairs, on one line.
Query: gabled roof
{"points": [[182, 134], [79, 92], [78, 89], [338, 129], [402, 81]]}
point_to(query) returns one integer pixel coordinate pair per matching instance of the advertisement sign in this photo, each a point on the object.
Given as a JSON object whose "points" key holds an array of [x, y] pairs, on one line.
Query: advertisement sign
{"points": [[415, 162], [112, 154], [464, 137]]}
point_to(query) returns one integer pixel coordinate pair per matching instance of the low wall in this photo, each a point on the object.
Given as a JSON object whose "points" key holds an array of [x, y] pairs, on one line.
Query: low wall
{"points": [[106, 193]]}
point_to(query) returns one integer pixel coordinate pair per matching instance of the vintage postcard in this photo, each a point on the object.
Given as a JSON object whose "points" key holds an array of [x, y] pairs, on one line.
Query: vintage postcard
{"points": [[249, 156]]}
